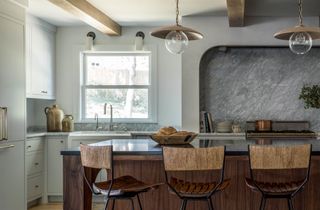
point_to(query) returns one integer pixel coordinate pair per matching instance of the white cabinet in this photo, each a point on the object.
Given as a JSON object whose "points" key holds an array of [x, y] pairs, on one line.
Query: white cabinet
{"points": [[40, 44], [76, 140], [55, 167], [12, 176], [12, 96], [12, 79], [34, 157]]}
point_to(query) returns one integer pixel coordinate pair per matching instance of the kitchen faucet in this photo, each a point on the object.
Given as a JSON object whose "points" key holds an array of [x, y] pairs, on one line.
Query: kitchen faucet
{"points": [[96, 117], [111, 115]]}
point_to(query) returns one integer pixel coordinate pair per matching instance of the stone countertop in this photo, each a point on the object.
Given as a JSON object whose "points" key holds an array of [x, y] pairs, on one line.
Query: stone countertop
{"points": [[149, 147], [134, 133], [222, 134], [122, 133], [41, 134]]}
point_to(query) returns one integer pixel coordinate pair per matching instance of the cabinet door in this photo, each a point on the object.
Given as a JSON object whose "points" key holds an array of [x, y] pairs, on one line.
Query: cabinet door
{"points": [[12, 76], [12, 176], [55, 167], [42, 62]]}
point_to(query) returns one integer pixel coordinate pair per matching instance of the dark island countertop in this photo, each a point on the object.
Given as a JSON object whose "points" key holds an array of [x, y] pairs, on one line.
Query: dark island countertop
{"points": [[149, 147]]}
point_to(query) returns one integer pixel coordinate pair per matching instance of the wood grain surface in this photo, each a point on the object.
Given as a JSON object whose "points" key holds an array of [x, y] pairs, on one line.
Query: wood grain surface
{"points": [[280, 157], [193, 159], [96, 157], [236, 197]]}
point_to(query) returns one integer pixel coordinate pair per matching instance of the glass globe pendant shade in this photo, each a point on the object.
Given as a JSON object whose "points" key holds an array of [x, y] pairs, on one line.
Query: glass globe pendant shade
{"points": [[176, 42], [300, 43]]}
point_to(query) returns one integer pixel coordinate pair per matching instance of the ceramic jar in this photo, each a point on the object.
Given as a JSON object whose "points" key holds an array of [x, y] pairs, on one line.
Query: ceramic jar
{"points": [[67, 123], [236, 128], [54, 118]]}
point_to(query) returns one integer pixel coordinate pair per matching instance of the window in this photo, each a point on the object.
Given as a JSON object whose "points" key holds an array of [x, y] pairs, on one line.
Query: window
{"points": [[123, 80]]}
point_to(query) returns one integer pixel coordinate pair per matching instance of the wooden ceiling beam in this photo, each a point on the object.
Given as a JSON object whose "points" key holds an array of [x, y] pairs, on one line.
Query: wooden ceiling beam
{"points": [[90, 15], [236, 12]]}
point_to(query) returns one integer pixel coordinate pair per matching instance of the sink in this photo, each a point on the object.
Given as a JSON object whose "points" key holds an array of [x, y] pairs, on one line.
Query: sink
{"points": [[101, 133]]}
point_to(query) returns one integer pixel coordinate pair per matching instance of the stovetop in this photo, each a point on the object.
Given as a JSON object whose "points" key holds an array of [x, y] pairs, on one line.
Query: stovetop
{"points": [[283, 132]]}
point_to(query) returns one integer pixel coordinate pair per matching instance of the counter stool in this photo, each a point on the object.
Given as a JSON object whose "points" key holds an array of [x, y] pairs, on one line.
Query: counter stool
{"points": [[184, 160], [97, 158], [267, 163]]}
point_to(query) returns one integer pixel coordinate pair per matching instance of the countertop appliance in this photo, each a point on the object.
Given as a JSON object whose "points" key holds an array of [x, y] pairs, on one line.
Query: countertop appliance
{"points": [[281, 130]]}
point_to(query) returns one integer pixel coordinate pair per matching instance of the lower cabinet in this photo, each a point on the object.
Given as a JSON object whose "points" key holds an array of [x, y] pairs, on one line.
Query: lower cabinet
{"points": [[75, 141], [54, 164], [44, 163], [34, 169], [35, 187], [12, 190]]}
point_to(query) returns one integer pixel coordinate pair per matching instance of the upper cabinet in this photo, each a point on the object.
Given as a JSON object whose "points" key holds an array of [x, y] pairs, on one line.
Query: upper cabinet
{"points": [[40, 51]]}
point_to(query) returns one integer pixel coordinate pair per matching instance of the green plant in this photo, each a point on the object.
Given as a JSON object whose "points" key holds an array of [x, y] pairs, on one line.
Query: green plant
{"points": [[311, 96]]}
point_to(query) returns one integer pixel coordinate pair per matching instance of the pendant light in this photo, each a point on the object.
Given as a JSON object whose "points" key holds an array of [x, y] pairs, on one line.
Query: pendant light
{"points": [[300, 37], [176, 36]]}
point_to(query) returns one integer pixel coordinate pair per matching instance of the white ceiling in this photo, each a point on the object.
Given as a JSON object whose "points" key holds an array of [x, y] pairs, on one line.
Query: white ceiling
{"points": [[130, 12], [159, 12], [51, 13]]}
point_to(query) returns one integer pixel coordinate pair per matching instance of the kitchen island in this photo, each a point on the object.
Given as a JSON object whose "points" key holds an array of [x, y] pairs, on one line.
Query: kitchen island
{"points": [[142, 158]]}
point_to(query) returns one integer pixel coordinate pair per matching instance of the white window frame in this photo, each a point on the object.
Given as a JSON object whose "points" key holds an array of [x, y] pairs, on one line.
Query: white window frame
{"points": [[152, 87]]}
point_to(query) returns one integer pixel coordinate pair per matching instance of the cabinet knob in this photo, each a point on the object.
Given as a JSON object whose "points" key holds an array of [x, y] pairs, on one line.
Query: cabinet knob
{"points": [[29, 146], [36, 164], [61, 142], [37, 186], [44, 91]]}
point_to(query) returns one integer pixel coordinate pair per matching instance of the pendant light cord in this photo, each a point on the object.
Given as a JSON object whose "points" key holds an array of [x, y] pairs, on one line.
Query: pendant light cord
{"points": [[177, 12], [300, 12]]}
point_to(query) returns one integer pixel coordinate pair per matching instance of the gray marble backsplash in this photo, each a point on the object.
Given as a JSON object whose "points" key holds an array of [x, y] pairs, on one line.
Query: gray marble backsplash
{"points": [[242, 84], [105, 127]]}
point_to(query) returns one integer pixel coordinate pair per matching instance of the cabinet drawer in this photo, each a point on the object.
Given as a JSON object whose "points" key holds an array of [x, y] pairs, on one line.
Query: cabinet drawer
{"points": [[34, 187], [34, 144], [34, 163]]}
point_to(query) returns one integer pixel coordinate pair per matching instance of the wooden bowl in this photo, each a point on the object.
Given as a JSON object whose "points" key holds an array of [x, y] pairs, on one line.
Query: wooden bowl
{"points": [[174, 139]]}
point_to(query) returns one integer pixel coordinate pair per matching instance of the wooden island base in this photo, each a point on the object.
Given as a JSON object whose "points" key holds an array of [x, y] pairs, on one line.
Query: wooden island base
{"points": [[77, 196]]}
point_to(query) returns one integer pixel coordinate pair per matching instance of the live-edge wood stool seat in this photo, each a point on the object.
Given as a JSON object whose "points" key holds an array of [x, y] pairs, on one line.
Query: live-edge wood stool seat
{"points": [[99, 158], [194, 160], [264, 159]]}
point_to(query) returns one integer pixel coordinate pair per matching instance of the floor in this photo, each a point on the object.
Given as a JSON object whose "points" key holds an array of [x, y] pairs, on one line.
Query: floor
{"points": [[59, 207]]}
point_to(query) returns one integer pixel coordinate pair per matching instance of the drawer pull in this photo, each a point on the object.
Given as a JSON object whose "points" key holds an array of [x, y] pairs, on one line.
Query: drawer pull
{"points": [[37, 186], [7, 147], [29, 146], [36, 164], [61, 142], [44, 91], [3, 124]]}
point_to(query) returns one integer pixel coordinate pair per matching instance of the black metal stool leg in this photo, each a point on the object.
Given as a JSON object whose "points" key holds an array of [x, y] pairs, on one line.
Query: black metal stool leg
{"points": [[183, 204], [263, 203], [106, 206], [290, 204], [113, 203], [210, 206], [140, 206], [132, 204]]}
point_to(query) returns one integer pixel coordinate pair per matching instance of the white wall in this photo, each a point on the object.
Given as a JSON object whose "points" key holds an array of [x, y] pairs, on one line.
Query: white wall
{"points": [[216, 30], [178, 90], [169, 69]]}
